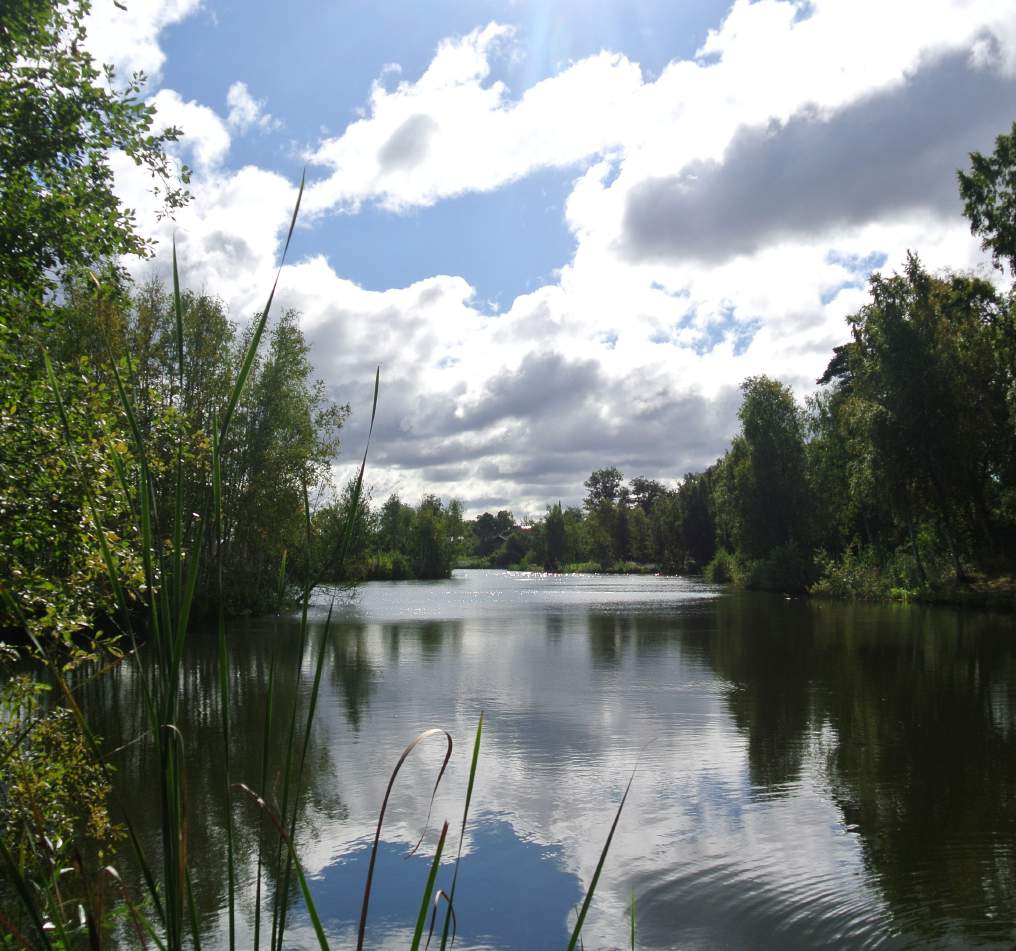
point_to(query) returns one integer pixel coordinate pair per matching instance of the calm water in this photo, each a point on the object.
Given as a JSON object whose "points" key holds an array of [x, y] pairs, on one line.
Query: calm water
{"points": [[810, 775]]}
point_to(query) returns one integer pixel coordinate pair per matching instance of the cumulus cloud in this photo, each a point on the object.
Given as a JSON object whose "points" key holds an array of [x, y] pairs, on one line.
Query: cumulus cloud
{"points": [[452, 131], [891, 152], [126, 35], [206, 139], [726, 215], [246, 112]]}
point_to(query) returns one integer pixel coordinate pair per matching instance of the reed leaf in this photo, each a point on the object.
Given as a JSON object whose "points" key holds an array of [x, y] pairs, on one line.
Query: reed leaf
{"points": [[421, 918], [575, 938], [381, 818], [312, 706], [438, 896], [304, 888], [462, 834], [265, 747]]}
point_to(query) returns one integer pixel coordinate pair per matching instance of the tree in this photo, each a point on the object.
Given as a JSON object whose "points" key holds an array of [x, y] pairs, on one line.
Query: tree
{"points": [[770, 478], [697, 529], [456, 527], [491, 531], [646, 492], [60, 118], [931, 370], [555, 538], [604, 485], [988, 191], [51, 561], [433, 552]]}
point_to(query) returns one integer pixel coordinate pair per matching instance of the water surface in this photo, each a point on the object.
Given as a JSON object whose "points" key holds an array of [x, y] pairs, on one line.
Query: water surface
{"points": [[809, 774]]}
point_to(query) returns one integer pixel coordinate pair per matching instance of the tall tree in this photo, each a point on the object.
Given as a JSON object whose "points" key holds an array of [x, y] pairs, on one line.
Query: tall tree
{"points": [[555, 538], [988, 191], [604, 485], [61, 117], [770, 479]]}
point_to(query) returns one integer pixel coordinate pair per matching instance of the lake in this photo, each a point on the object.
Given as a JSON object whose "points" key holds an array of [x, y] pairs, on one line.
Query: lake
{"points": [[809, 774]]}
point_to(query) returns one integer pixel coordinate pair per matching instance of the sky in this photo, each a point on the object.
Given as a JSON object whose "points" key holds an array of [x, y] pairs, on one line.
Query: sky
{"points": [[566, 230]]}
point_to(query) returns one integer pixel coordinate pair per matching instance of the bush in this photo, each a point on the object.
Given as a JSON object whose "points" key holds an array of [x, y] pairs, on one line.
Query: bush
{"points": [[860, 573], [389, 566], [529, 562], [785, 569], [722, 569], [53, 794]]}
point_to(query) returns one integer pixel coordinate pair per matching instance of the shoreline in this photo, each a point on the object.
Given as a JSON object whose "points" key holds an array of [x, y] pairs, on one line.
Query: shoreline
{"points": [[998, 594]]}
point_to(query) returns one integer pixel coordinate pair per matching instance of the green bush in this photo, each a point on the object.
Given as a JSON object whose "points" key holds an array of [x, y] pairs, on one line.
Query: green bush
{"points": [[389, 566], [786, 569], [722, 569], [860, 573], [53, 794]]}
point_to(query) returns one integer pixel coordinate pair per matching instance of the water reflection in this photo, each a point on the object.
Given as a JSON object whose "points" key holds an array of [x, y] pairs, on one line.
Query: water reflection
{"points": [[811, 775], [528, 877]]}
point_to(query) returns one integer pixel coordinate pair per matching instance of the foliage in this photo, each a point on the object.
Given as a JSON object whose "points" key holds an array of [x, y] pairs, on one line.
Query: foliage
{"points": [[722, 568], [603, 486], [988, 191], [53, 794], [785, 568], [767, 479], [280, 445], [862, 573], [396, 543], [51, 560], [556, 539], [60, 120]]}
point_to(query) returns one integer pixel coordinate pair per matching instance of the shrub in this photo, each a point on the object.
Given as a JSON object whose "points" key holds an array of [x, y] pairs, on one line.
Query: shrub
{"points": [[722, 569], [786, 568], [860, 573], [53, 794]]}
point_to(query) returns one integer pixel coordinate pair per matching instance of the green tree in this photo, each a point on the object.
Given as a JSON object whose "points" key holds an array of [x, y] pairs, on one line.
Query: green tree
{"points": [[432, 556], [770, 478], [988, 191], [604, 485], [930, 373], [60, 119], [555, 538], [51, 560], [395, 525], [646, 492], [698, 531]]}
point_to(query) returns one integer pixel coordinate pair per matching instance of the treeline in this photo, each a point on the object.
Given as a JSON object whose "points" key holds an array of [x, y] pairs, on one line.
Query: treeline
{"points": [[391, 542], [898, 477], [620, 527]]}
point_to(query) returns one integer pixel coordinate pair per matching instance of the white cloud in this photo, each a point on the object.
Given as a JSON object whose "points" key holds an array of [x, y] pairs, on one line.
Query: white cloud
{"points": [[453, 130], [651, 345], [126, 34], [246, 112], [205, 140]]}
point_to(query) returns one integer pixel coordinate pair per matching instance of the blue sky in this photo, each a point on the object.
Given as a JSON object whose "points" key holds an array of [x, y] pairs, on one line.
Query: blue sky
{"points": [[316, 63], [566, 229]]}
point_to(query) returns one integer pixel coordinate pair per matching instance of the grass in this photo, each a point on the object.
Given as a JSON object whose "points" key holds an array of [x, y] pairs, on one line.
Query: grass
{"points": [[167, 914]]}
